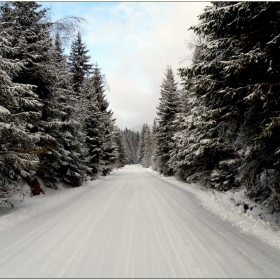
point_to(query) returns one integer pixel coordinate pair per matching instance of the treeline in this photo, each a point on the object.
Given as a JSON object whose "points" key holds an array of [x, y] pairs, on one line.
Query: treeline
{"points": [[131, 142], [223, 128], [55, 125]]}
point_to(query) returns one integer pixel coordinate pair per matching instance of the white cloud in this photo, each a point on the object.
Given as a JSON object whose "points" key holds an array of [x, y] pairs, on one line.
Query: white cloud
{"points": [[133, 42]]}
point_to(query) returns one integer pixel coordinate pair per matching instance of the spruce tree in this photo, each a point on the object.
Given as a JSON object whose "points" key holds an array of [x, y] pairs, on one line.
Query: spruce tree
{"points": [[120, 148], [141, 145], [79, 63], [167, 109], [109, 148], [147, 156], [108, 157], [68, 160], [238, 83], [131, 145], [18, 109], [154, 147], [32, 42], [44, 70], [127, 146], [93, 127]]}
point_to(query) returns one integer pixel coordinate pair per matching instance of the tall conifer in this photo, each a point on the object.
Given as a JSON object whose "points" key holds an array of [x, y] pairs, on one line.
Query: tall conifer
{"points": [[19, 107], [79, 62], [168, 107]]}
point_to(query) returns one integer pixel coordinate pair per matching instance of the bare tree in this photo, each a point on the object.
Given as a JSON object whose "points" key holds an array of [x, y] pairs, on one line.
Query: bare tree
{"points": [[66, 27]]}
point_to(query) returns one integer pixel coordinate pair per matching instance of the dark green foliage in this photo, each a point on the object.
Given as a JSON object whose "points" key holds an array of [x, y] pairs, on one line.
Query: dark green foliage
{"points": [[19, 106], [131, 140], [141, 145], [121, 156], [42, 120], [98, 124], [78, 62], [168, 107], [55, 130], [146, 147], [154, 161], [68, 161], [108, 152], [93, 127], [232, 127]]}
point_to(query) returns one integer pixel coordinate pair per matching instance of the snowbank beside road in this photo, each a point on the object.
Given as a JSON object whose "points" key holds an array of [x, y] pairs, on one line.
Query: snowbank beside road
{"points": [[31, 206], [229, 206], [27, 207]]}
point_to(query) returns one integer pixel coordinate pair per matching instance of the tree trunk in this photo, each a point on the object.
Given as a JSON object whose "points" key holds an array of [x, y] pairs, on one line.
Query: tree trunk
{"points": [[35, 187]]}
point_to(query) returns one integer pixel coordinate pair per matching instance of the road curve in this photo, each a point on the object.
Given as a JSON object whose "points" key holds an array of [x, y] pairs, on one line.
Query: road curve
{"points": [[132, 224]]}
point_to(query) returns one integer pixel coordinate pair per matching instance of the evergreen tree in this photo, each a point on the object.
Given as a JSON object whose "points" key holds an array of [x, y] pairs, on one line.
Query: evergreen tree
{"points": [[147, 155], [107, 122], [79, 63], [32, 43], [167, 109], [19, 105], [141, 145], [154, 147], [197, 146], [109, 151], [42, 131], [44, 70], [93, 128], [145, 147], [67, 159], [120, 148], [131, 145], [127, 146], [60, 57], [237, 80]]}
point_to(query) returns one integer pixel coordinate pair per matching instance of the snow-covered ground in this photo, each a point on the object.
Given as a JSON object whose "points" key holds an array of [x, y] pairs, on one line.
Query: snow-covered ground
{"points": [[27, 207], [229, 206], [135, 224]]}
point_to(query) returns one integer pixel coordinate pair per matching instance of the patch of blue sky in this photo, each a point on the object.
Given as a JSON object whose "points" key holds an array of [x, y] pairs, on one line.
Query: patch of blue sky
{"points": [[64, 8], [111, 14], [132, 43], [109, 25]]}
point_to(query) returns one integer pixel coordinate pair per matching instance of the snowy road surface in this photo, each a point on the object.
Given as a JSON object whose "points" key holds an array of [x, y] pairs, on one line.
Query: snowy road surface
{"points": [[132, 225]]}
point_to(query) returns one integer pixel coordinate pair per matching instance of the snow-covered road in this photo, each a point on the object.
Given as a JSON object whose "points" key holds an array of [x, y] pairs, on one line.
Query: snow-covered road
{"points": [[132, 224]]}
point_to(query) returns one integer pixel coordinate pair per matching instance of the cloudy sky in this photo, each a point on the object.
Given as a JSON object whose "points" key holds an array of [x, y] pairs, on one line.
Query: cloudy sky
{"points": [[133, 42]]}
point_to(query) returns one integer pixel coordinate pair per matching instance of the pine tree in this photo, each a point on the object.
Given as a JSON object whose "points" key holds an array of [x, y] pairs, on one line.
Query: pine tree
{"points": [[167, 109], [79, 63]]}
